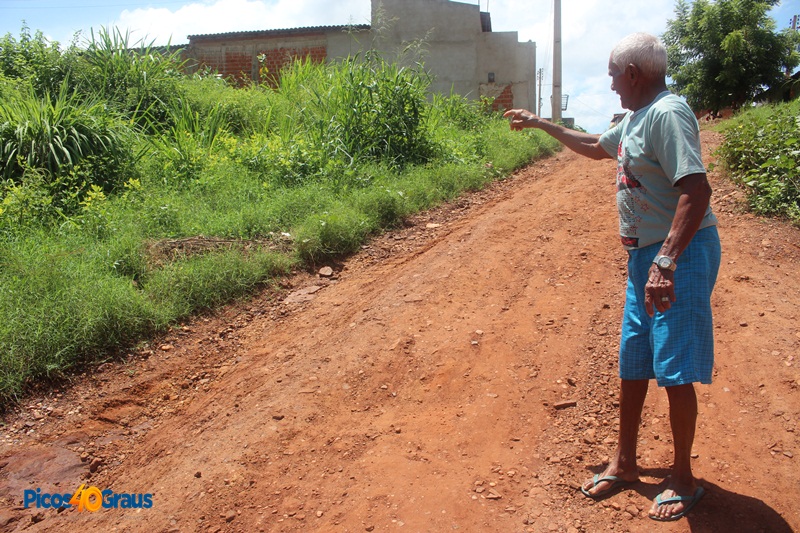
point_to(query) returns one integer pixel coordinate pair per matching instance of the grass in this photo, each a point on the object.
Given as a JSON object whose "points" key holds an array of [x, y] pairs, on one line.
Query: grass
{"points": [[206, 179]]}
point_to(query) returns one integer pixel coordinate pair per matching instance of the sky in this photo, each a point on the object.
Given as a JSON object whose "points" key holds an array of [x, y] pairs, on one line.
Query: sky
{"points": [[590, 29]]}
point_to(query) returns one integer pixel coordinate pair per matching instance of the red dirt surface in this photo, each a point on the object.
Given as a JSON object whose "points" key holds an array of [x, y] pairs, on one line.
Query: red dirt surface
{"points": [[458, 374]]}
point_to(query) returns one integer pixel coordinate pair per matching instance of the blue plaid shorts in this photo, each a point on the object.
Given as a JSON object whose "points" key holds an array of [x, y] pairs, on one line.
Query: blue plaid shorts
{"points": [[675, 347]]}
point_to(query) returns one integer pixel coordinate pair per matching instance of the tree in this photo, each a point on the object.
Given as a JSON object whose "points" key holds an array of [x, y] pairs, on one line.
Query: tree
{"points": [[722, 53]]}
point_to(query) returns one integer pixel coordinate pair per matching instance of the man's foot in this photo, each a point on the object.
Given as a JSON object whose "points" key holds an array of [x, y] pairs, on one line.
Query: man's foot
{"points": [[671, 505], [608, 483]]}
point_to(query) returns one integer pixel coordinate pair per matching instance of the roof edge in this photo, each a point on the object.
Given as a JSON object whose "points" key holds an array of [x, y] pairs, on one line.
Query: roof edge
{"points": [[287, 31]]}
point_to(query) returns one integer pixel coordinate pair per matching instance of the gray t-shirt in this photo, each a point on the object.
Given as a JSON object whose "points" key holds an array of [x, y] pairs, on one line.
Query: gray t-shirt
{"points": [[655, 146]]}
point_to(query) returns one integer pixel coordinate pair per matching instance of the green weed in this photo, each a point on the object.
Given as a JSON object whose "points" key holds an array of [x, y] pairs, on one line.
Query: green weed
{"points": [[135, 196], [761, 151]]}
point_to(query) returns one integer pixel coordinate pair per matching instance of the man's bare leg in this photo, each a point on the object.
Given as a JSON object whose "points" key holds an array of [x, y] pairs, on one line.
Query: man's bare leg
{"points": [[683, 419], [623, 464]]}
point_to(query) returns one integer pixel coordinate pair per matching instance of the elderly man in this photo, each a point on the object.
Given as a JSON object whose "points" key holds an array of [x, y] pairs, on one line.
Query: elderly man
{"points": [[669, 231]]}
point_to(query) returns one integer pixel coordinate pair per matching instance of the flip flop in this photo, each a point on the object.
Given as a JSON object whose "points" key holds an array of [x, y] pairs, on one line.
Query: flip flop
{"points": [[615, 485], [693, 499]]}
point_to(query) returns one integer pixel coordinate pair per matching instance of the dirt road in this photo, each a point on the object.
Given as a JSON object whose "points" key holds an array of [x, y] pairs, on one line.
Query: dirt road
{"points": [[456, 375]]}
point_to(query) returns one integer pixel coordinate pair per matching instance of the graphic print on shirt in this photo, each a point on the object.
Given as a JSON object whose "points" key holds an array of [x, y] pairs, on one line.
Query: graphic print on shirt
{"points": [[630, 199]]}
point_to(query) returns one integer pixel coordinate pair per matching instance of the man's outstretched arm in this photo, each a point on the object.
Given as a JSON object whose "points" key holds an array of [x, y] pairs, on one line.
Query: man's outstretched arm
{"points": [[585, 144]]}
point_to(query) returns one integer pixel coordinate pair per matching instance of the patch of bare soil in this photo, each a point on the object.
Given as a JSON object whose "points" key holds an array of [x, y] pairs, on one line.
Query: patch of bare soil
{"points": [[458, 374]]}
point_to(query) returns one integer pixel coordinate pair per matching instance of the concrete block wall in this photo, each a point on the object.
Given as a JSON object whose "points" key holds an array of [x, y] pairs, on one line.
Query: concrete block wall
{"points": [[438, 20]]}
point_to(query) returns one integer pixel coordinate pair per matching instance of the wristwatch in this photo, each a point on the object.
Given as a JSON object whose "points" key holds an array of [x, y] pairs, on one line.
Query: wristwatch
{"points": [[665, 262]]}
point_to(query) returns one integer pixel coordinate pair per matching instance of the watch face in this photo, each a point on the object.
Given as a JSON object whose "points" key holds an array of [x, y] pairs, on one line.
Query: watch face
{"points": [[664, 262]]}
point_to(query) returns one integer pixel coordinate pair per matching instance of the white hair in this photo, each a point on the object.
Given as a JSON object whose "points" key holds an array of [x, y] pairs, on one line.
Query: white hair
{"points": [[643, 50]]}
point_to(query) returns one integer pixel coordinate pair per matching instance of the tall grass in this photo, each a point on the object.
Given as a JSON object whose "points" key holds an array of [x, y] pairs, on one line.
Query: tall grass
{"points": [[261, 179], [56, 132], [53, 150], [136, 78]]}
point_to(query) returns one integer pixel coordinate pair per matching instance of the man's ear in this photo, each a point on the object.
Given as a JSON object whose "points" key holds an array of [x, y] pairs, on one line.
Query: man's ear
{"points": [[633, 72]]}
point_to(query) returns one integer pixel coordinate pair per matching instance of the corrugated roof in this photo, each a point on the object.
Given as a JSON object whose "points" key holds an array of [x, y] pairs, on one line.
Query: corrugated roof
{"points": [[288, 31]]}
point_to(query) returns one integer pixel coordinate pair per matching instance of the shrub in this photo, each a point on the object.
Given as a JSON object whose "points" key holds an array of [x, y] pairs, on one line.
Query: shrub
{"points": [[761, 151], [67, 144], [36, 60]]}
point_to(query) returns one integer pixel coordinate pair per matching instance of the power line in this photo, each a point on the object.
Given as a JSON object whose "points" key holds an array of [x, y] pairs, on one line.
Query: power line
{"points": [[591, 109]]}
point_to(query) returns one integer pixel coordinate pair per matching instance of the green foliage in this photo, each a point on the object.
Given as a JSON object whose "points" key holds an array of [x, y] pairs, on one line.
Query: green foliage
{"points": [[25, 203], [505, 155], [60, 145], [364, 108], [111, 232], [723, 53], [246, 110], [332, 233], [457, 110], [187, 145], [60, 310], [35, 59], [762, 152], [137, 78], [64, 307], [55, 133], [208, 281]]}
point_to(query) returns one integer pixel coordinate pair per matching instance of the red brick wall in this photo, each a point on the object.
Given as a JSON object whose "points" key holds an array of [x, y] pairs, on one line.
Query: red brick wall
{"points": [[275, 59], [505, 101], [229, 63], [237, 65], [239, 59]]}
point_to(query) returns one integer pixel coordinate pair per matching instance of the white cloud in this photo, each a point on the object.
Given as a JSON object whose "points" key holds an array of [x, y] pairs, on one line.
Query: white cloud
{"points": [[221, 16]]}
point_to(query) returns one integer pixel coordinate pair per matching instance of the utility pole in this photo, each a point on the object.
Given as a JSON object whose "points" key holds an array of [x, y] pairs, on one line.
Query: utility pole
{"points": [[556, 61], [540, 76], [793, 24]]}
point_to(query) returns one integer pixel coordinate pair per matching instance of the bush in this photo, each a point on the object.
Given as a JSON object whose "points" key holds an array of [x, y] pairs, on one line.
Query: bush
{"points": [[36, 60], [761, 151], [63, 145]]}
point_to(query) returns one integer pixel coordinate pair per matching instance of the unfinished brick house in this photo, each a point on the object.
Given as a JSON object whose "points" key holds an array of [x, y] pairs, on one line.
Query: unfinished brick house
{"points": [[461, 50]]}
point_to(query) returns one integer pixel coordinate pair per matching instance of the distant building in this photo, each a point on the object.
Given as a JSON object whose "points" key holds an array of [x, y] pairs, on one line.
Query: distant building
{"points": [[460, 49], [616, 119]]}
